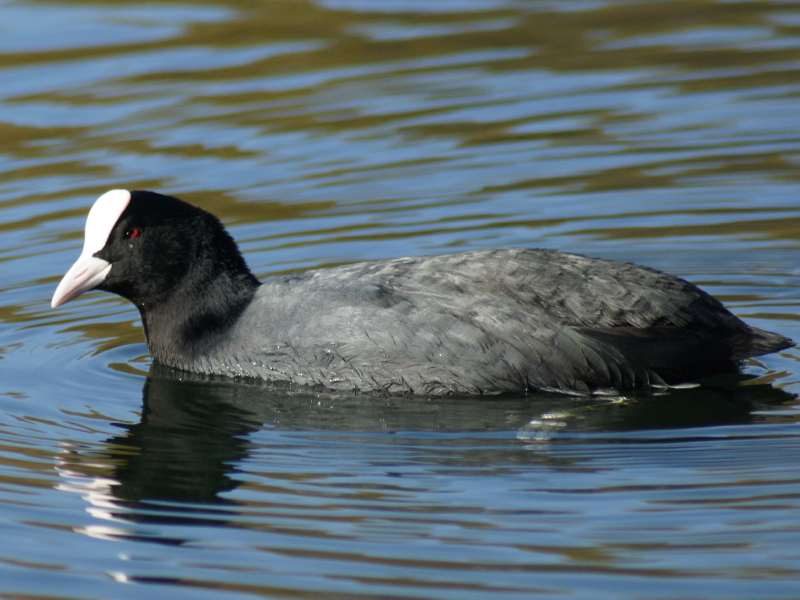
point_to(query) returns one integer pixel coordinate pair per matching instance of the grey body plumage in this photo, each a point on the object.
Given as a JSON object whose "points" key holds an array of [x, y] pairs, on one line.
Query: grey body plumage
{"points": [[482, 322]]}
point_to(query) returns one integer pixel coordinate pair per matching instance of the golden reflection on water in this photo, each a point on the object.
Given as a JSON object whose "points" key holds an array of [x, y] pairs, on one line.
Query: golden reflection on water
{"points": [[310, 68]]}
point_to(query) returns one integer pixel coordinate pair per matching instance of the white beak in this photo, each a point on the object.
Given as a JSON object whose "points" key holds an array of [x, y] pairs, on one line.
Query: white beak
{"points": [[87, 273]]}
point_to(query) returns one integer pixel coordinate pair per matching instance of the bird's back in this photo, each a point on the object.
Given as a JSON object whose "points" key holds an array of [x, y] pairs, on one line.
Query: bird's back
{"points": [[485, 322]]}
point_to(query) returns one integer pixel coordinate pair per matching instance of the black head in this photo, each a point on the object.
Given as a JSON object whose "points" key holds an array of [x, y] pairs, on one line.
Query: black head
{"points": [[146, 247]]}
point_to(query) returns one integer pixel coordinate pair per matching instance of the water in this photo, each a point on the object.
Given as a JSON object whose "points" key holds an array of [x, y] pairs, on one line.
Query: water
{"points": [[666, 133]]}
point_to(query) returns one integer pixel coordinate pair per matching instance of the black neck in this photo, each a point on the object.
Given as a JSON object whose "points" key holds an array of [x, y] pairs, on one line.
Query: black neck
{"points": [[183, 327]]}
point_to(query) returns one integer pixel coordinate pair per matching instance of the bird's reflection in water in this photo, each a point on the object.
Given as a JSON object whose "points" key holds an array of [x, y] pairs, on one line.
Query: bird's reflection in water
{"points": [[194, 434]]}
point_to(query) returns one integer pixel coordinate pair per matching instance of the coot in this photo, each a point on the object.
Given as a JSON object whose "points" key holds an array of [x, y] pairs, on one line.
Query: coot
{"points": [[482, 322]]}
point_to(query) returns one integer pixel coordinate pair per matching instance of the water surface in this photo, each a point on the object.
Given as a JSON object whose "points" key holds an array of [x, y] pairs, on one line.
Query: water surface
{"points": [[665, 133]]}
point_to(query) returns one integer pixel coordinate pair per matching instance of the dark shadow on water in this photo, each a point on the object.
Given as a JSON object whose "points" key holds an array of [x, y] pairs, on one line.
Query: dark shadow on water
{"points": [[194, 433]]}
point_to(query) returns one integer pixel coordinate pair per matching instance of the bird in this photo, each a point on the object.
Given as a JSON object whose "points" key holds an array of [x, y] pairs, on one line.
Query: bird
{"points": [[483, 322]]}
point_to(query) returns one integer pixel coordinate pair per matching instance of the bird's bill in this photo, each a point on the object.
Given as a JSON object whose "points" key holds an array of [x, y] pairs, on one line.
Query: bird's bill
{"points": [[87, 273]]}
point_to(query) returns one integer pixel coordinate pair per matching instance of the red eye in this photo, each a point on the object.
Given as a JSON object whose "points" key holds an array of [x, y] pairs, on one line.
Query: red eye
{"points": [[132, 233]]}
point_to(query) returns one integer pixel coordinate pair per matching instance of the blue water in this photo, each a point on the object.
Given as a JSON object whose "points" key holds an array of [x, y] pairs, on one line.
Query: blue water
{"points": [[326, 132]]}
